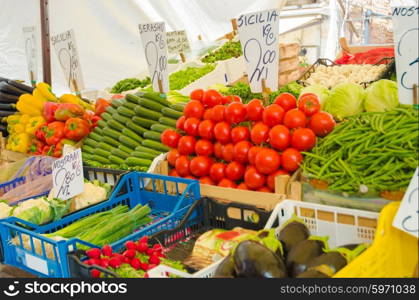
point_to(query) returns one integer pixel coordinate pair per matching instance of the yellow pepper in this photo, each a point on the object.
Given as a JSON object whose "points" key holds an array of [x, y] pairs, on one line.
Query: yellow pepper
{"points": [[20, 142], [70, 98], [13, 119], [45, 90], [16, 128], [24, 119], [38, 95], [28, 104], [34, 124]]}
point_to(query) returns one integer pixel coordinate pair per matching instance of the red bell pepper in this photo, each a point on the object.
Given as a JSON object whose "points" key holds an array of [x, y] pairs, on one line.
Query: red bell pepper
{"points": [[55, 132], [49, 111], [47, 150], [66, 111], [76, 129], [41, 132], [100, 106], [95, 119], [57, 150], [36, 147]]}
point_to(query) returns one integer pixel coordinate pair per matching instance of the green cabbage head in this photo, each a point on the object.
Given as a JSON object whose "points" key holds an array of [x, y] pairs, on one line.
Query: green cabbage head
{"points": [[321, 91], [381, 96], [345, 99]]}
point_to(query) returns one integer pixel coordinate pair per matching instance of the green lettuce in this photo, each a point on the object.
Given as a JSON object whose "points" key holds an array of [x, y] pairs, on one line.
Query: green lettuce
{"points": [[381, 96], [321, 91], [346, 99]]}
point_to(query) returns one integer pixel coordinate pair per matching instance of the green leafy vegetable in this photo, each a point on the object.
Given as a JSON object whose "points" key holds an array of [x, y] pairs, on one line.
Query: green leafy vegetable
{"points": [[321, 91], [228, 50], [182, 78], [381, 96], [346, 99], [130, 84]]}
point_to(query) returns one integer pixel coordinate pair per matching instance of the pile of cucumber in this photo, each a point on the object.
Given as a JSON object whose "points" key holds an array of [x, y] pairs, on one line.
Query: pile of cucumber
{"points": [[128, 136]]}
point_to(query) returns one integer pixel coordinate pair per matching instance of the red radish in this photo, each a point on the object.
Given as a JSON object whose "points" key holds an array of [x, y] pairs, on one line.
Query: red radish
{"points": [[150, 252], [118, 255], [115, 262], [158, 247], [144, 239], [129, 253], [127, 260], [144, 266], [90, 262], [154, 260], [136, 263], [142, 247], [95, 273], [130, 245], [107, 250], [104, 262], [93, 253]]}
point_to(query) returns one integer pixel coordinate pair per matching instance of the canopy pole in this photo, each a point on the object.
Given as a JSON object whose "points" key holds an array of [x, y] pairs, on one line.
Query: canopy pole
{"points": [[45, 37]]}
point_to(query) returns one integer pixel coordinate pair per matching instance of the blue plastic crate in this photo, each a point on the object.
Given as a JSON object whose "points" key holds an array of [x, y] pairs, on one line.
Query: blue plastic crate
{"points": [[168, 197], [10, 185]]}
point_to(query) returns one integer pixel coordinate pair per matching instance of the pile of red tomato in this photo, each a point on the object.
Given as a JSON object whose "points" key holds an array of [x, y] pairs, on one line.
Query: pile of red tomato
{"points": [[221, 141]]}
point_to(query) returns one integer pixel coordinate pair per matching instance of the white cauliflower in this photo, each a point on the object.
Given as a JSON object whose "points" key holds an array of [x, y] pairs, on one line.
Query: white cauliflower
{"points": [[4, 210], [92, 194], [36, 211]]}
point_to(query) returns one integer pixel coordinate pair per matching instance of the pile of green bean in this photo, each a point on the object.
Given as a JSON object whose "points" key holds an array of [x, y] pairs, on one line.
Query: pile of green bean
{"points": [[368, 153]]}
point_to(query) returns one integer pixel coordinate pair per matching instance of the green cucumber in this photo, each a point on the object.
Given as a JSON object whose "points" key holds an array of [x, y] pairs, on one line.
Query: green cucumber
{"points": [[146, 123], [100, 159], [147, 113], [98, 130], [111, 133], [126, 111], [119, 153], [117, 103], [95, 136], [86, 156], [136, 128], [120, 118], [131, 134], [115, 125], [88, 149], [147, 150], [90, 142], [129, 142], [152, 135], [105, 116], [171, 113], [110, 110], [106, 147], [167, 121], [160, 128], [101, 123], [155, 145], [116, 160], [156, 97], [150, 104], [132, 98], [135, 161], [130, 105], [110, 141], [125, 149], [178, 107], [102, 152], [143, 155]]}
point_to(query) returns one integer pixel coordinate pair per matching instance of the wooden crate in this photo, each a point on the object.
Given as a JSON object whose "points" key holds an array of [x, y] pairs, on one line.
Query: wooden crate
{"points": [[286, 187]]}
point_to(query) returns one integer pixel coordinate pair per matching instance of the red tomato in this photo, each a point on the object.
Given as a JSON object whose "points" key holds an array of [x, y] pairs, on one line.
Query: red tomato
{"points": [[182, 165], [295, 118], [286, 100], [255, 110], [204, 148], [172, 155], [206, 129], [264, 189], [234, 171], [211, 98], [190, 177], [253, 179], [180, 122], [191, 126], [240, 133], [291, 159], [270, 181], [197, 94], [217, 171], [322, 123], [218, 150], [222, 132], [206, 180], [241, 150], [218, 113], [228, 152], [259, 133], [173, 173], [267, 161], [186, 145], [207, 114], [309, 104], [273, 115], [279, 137], [235, 113], [200, 166], [252, 154], [231, 98], [242, 186], [194, 109], [303, 139], [170, 138], [227, 183]]}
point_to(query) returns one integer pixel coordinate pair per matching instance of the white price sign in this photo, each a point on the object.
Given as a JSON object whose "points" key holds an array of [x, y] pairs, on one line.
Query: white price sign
{"points": [[258, 33], [406, 39], [67, 176], [407, 216], [68, 56], [31, 50], [177, 42], [153, 37]]}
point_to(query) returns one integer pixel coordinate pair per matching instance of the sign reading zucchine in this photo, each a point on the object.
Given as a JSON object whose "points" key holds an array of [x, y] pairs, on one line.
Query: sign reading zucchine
{"points": [[258, 33]]}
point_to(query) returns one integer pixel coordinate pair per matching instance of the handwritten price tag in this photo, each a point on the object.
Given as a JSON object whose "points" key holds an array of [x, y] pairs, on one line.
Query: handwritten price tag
{"points": [[406, 39], [68, 56], [258, 33], [31, 50], [407, 216], [153, 37], [177, 42], [67, 176]]}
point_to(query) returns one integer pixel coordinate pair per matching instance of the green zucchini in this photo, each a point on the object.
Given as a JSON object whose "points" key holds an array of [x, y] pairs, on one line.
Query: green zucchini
{"points": [[131, 134], [86, 156], [119, 153], [106, 116], [101, 123], [100, 159], [95, 136], [130, 105], [117, 103], [111, 133], [171, 113], [105, 146], [178, 107], [156, 97], [110, 141], [90, 142], [102, 152], [125, 149], [110, 110], [136, 128], [120, 118], [88, 149], [132, 98], [152, 135], [98, 130], [143, 155], [129, 142], [155, 145], [167, 121], [147, 150], [146, 123], [116, 160], [135, 161], [115, 125], [150, 104], [160, 128], [126, 111], [147, 113]]}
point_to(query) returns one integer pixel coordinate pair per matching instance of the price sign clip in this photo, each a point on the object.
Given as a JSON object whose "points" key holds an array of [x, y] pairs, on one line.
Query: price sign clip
{"points": [[265, 92]]}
